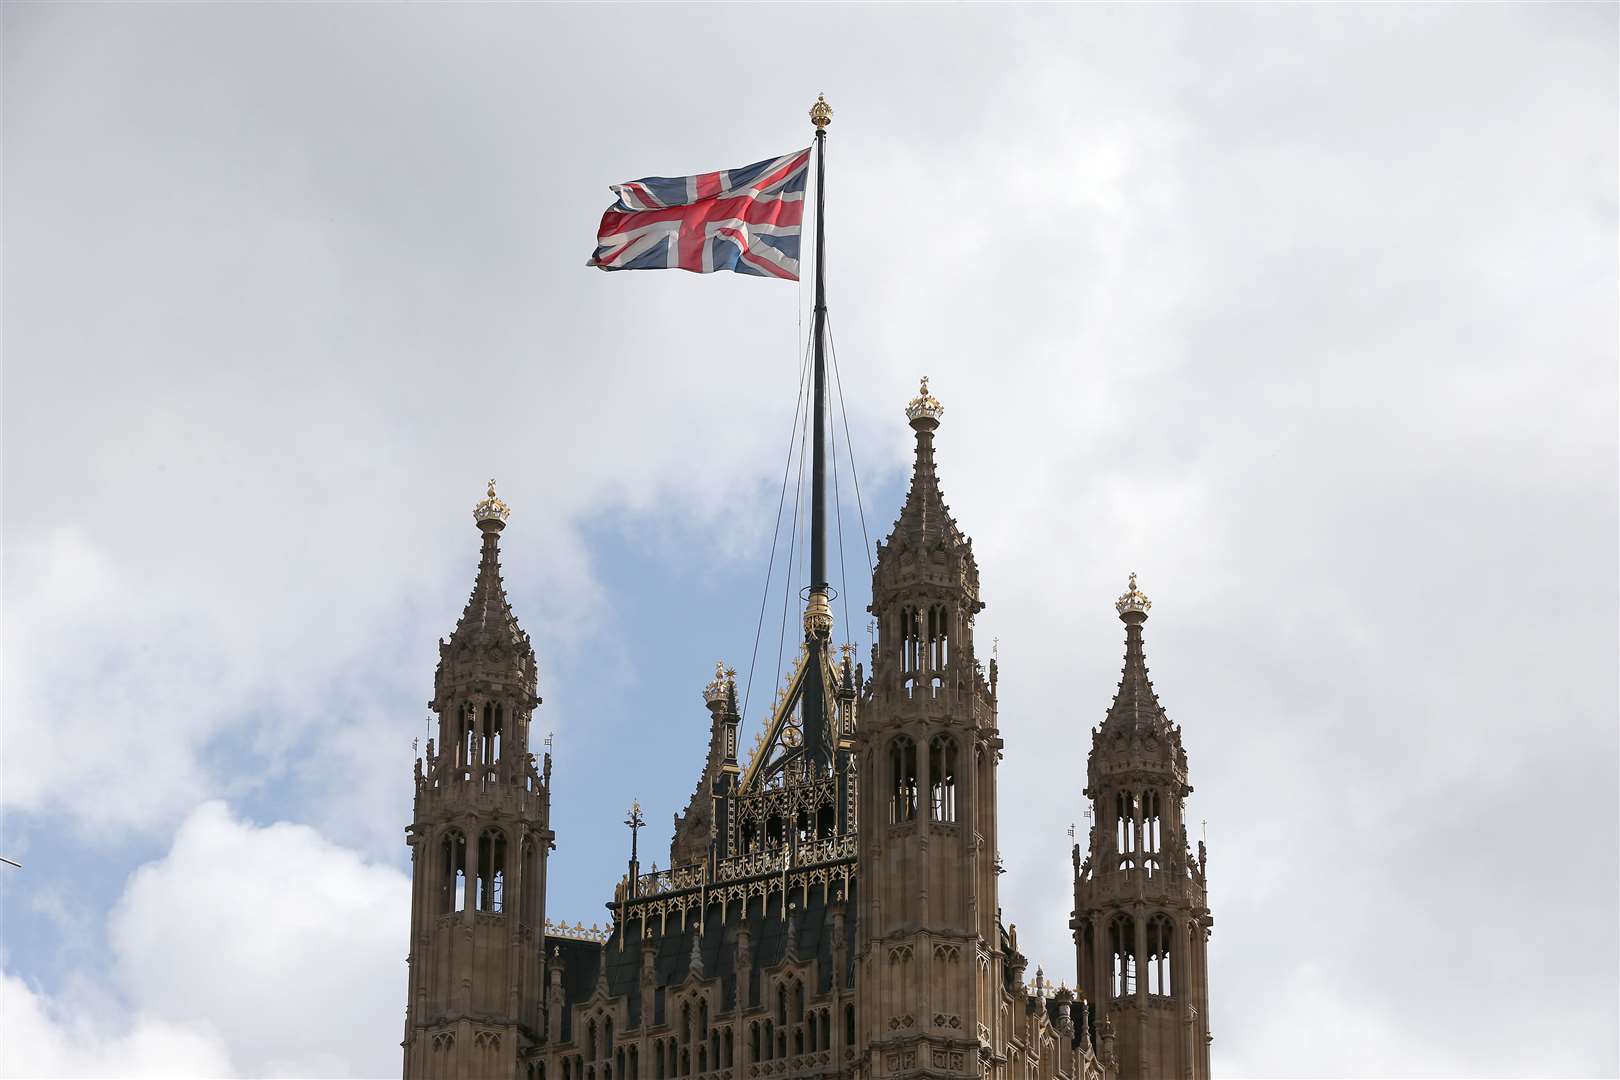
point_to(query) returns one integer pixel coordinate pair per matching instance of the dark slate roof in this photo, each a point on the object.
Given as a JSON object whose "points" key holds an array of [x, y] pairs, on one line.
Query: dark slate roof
{"points": [[768, 937]]}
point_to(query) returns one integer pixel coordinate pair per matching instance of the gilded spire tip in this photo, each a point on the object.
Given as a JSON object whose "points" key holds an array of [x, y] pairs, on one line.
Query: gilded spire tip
{"points": [[491, 510], [1133, 600], [924, 406], [821, 112], [715, 692]]}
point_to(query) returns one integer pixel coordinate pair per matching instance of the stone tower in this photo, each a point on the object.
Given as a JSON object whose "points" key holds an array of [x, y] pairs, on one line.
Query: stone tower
{"points": [[1141, 912], [479, 839], [931, 962]]}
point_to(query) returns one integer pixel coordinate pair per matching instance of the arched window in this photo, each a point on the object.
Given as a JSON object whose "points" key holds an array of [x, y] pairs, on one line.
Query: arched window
{"points": [[530, 883], [1122, 951], [903, 780], [910, 640], [939, 637], [467, 737], [492, 870], [942, 777], [1125, 826], [1160, 933], [452, 872], [494, 722]]}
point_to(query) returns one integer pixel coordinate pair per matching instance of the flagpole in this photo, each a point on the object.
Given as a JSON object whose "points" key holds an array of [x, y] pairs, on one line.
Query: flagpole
{"points": [[818, 615]]}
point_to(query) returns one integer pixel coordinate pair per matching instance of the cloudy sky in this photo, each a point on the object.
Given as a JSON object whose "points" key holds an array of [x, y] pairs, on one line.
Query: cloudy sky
{"points": [[1306, 314]]}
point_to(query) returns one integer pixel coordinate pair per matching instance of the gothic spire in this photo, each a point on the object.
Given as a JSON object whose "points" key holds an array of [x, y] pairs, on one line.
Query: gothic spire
{"points": [[1135, 703], [488, 615], [925, 520], [487, 643]]}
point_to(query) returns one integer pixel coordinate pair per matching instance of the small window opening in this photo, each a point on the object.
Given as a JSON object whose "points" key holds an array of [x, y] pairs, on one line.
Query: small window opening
{"points": [[492, 870], [903, 780], [942, 777], [453, 872]]}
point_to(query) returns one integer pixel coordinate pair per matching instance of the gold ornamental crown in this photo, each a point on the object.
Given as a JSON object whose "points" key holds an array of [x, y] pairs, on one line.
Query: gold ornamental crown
{"points": [[1134, 599], [821, 112], [924, 404], [491, 507], [715, 691]]}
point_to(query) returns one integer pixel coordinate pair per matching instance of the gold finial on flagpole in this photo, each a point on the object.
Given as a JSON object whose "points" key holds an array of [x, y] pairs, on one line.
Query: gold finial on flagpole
{"points": [[821, 112]]}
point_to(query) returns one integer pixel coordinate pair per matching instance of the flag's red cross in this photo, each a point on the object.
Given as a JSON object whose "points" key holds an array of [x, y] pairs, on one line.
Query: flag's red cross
{"points": [[714, 213]]}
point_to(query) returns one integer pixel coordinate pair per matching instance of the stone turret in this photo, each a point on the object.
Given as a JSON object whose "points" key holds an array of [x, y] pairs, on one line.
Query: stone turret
{"points": [[479, 838], [1141, 916], [929, 749], [703, 821]]}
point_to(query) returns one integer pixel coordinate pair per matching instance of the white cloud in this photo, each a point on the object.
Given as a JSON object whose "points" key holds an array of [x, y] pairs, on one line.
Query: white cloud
{"points": [[264, 951], [70, 1036], [290, 947]]}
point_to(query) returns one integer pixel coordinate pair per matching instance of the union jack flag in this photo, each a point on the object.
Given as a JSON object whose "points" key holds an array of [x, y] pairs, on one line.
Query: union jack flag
{"points": [[746, 220]]}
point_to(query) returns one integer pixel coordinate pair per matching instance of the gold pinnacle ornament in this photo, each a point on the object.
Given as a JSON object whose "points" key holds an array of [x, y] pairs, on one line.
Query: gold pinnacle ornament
{"points": [[1134, 599], [821, 112], [924, 404], [491, 508], [715, 692]]}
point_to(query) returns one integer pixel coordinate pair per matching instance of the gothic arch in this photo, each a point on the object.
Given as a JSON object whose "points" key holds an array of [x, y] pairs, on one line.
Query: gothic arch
{"points": [[942, 774], [902, 779], [452, 871], [492, 873]]}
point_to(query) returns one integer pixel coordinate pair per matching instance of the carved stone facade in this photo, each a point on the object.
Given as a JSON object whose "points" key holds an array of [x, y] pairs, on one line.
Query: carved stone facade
{"points": [[479, 839], [826, 914], [1141, 904]]}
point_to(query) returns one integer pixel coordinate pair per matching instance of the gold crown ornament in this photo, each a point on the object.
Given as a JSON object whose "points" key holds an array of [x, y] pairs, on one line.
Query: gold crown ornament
{"points": [[924, 405], [1134, 599], [491, 509]]}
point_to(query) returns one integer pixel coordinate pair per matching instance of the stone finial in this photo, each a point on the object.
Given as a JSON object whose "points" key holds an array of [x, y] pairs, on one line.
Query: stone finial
{"points": [[821, 112], [924, 408], [491, 511], [1133, 601]]}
